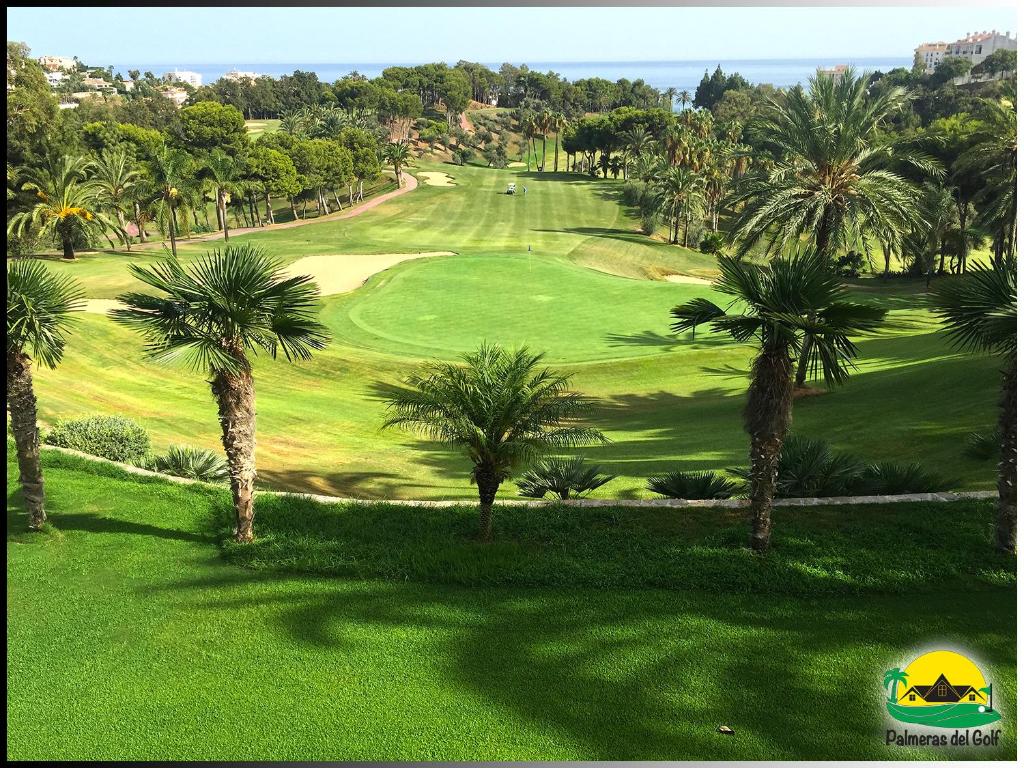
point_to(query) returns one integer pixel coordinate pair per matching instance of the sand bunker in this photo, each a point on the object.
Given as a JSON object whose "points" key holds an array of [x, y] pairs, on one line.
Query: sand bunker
{"points": [[100, 306], [436, 179], [517, 164], [690, 279], [343, 273]]}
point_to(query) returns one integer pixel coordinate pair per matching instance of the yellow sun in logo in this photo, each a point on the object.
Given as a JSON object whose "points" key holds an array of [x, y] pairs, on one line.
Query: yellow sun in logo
{"points": [[942, 676]]}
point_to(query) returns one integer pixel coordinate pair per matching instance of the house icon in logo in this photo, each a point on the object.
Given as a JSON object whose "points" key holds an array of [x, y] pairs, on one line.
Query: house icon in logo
{"points": [[941, 689]]}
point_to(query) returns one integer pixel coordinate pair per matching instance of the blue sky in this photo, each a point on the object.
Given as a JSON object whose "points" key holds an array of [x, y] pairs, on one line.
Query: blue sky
{"points": [[315, 35]]}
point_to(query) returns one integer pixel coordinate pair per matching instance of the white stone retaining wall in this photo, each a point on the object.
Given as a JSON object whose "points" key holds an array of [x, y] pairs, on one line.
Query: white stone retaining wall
{"points": [[671, 503]]}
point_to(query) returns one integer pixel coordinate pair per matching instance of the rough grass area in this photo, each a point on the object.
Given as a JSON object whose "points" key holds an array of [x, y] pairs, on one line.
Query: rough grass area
{"points": [[816, 551], [129, 637]]}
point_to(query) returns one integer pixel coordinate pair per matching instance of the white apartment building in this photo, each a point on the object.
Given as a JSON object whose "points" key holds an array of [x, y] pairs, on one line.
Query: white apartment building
{"points": [[975, 47], [55, 78], [237, 76], [834, 72], [183, 76], [57, 63]]}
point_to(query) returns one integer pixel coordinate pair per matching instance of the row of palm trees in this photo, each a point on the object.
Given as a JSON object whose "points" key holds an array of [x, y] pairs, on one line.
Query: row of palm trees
{"points": [[534, 124], [501, 409]]}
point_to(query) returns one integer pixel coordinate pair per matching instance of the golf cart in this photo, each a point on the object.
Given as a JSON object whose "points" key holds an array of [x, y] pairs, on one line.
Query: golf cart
{"points": [[511, 189]]}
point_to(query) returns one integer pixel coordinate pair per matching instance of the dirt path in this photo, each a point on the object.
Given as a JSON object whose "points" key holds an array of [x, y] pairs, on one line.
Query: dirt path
{"points": [[410, 185]]}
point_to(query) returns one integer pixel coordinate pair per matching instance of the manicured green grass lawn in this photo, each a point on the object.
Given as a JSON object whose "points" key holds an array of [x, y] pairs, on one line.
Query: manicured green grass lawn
{"points": [[520, 276], [129, 637]]}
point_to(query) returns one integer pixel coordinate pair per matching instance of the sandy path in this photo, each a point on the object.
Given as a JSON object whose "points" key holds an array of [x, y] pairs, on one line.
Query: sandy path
{"points": [[436, 179], [689, 279], [343, 273], [410, 185], [337, 273]]}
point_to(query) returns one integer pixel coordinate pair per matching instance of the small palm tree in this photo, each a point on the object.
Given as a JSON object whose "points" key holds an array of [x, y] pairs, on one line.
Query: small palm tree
{"points": [[169, 176], [499, 407], [777, 301], [892, 680], [67, 210], [558, 123], [39, 304], [564, 478], [682, 194], [223, 171], [979, 312], [212, 315], [397, 154], [116, 181]]}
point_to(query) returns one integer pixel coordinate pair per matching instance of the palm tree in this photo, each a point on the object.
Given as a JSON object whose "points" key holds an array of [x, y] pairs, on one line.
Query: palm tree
{"points": [[168, 173], [783, 302], [397, 154], [543, 126], [39, 304], [116, 181], [500, 408], [979, 312], [680, 191], [892, 679], [224, 172], [670, 95], [683, 98], [831, 172], [558, 123], [67, 210], [212, 314], [994, 159], [637, 142]]}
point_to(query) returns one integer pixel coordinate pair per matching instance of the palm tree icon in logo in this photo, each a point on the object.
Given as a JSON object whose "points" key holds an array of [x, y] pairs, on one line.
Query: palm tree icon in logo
{"points": [[892, 679]]}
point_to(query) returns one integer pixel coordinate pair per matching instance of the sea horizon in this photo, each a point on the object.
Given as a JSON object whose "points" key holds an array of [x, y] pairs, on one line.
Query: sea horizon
{"points": [[683, 74]]}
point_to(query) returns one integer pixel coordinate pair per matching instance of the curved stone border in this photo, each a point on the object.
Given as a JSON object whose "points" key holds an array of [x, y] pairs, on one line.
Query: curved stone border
{"points": [[829, 501]]}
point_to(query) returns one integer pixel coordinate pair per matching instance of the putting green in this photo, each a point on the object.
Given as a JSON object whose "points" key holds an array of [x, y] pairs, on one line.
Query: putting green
{"points": [[444, 306]]}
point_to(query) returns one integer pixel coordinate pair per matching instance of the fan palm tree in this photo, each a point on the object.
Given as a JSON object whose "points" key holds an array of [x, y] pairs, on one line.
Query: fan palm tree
{"points": [[892, 680], [169, 176], [213, 314], [39, 304], [67, 209], [116, 181], [994, 159], [564, 478], [979, 312], [783, 302], [224, 172], [500, 408], [397, 154], [831, 172]]}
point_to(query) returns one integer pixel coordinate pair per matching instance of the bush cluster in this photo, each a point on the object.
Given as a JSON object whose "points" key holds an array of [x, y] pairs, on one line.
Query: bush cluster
{"points": [[110, 437]]}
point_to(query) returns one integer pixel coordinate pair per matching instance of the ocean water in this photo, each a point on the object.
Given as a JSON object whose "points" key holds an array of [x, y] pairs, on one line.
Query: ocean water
{"points": [[684, 75]]}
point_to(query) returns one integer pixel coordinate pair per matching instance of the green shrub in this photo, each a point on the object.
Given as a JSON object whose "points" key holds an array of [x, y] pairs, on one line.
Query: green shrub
{"points": [[191, 462], [712, 242], [110, 437], [462, 155], [563, 478], [983, 445], [633, 192], [887, 478], [693, 485]]}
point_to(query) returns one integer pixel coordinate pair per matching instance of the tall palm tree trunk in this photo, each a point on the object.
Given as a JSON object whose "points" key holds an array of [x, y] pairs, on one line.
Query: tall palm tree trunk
{"points": [[172, 227], [21, 402], [236, 408], [767, 416], [222, 212], [487, 485], [1006, 526], [544, 153], [139, 223], [123, 223], [270, 208], [556, 153]]}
